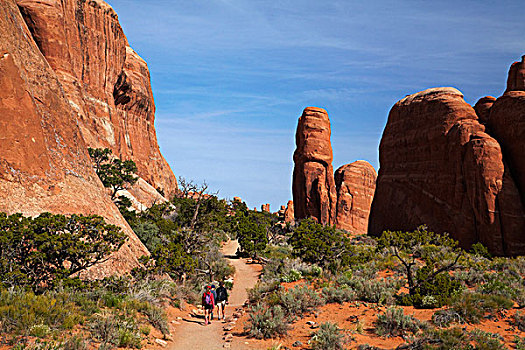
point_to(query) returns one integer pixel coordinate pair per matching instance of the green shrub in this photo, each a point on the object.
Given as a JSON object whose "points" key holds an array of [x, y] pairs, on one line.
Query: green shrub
{"points": [[267, 322], [472, 307], [375, 291], [299, 300], [444, 318], [262, 289], [520, 343], [21, 310], [328, 337], [338, 295], [519, 321], [458, 339], [394, 322], [431, 292], [39, 330], [157, 317], [75, 342], [292, 276], [321, 245]]}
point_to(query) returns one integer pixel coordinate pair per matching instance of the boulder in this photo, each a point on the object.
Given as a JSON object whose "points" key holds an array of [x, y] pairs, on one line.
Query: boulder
{"points": [[313, 185], [439, 167], [355, 184]]}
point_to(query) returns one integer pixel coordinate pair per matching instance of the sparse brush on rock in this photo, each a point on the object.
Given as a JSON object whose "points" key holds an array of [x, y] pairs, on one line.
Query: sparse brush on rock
{"points": [[394, 322], [328, 337], [267, 322]]}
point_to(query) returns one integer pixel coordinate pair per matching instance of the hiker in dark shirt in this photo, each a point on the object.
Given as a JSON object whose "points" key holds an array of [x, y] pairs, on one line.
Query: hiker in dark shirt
{"points": [[208, 303], [222, 299]]}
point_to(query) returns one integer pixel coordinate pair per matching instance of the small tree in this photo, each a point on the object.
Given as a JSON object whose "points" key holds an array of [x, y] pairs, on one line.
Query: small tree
{"points": [[321, 245], [115, 174], [252, 235], [435, 254], [39, 252]]}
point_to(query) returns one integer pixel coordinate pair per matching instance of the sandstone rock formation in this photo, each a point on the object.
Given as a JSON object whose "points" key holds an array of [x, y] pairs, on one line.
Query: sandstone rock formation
{"points": [[439, 167], [355, 184], [516, 78], [44, 164], [482, 108], [289, 216], [265, 208], [313, 188], [507, 124], [106, 83]]}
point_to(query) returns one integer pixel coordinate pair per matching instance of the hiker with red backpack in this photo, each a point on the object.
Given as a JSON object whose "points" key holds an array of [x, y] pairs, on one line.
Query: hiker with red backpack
{"points": [[208, 303]]}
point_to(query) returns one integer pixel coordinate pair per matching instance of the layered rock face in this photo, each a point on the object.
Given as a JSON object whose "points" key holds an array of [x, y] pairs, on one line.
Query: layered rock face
{"points": [[439, 167], [106, 83], [44, 164], [355, 184], [313, 186]]}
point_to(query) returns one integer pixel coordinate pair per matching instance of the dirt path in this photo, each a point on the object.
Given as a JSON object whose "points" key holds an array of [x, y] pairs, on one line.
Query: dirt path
{"points": [[191, 334]]}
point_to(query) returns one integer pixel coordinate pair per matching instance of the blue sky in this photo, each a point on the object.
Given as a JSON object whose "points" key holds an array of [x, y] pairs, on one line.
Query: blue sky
{"points": [[231, 77]]}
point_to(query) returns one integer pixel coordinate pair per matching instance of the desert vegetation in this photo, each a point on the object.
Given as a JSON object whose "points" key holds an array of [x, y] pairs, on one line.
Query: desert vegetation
{"points": [[396, 274]]}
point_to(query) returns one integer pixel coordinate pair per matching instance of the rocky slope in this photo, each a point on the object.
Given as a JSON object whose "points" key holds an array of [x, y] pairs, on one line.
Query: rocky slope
{"points": [[106, 84], [441, 166], [69, 81], [355, 184]]}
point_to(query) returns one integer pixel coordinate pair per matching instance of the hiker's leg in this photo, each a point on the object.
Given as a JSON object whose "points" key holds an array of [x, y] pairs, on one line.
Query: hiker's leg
{"points": [[219, 310]]}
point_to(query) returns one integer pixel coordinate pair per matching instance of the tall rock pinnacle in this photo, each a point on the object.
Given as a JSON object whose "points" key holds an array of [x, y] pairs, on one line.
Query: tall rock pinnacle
{"points": [[314, 193]]}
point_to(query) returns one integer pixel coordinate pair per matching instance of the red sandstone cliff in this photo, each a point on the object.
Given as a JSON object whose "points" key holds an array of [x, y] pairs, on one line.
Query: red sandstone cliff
{"points": [[313, 185], [44, 164], [439, 166], [355, 184], [106, 84]]}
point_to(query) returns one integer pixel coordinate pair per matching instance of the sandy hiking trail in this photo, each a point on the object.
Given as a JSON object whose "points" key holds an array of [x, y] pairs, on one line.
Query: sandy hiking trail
{"points": [[192, 334]]}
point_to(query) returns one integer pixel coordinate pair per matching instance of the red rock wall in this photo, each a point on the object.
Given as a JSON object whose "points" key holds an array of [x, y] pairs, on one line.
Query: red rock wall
{"points": [[106, 83], [313, 185], [439, 167], [44, 164], [355, 184]]}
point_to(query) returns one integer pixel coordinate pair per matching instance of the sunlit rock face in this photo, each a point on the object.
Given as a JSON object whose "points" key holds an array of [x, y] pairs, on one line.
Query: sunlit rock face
{"points": [[355, 184], [106, 84], [439, 166], [313, 188]]}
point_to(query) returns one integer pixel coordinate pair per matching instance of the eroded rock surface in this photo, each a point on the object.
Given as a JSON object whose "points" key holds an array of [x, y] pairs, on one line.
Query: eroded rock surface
{"points": [[482, 108], [355, 184], [439, 167], [44, 164], [106, 83], [313, 185]]}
